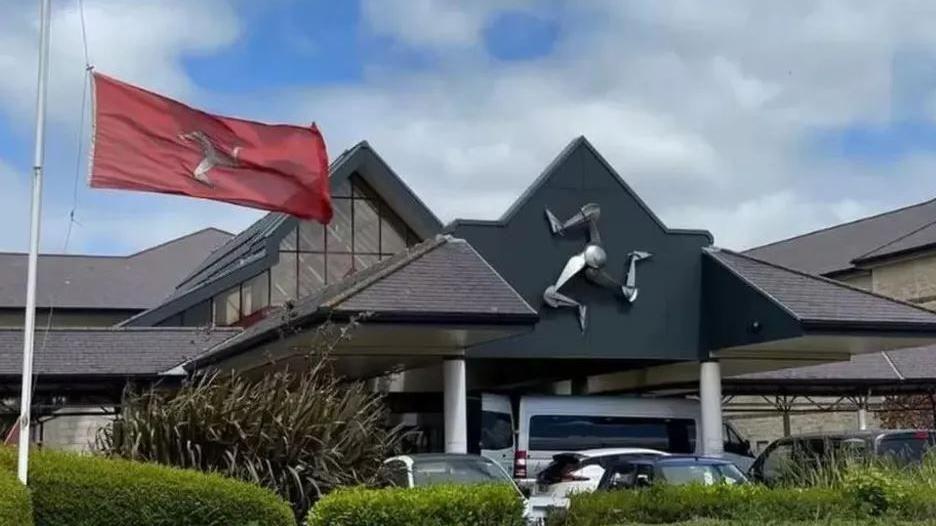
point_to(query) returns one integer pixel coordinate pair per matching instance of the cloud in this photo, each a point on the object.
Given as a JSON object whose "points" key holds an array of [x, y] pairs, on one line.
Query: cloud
{"points": [[140, 42], [434, 23], [708, 110]]}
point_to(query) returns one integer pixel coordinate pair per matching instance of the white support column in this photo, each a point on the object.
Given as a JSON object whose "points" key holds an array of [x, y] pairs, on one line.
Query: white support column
{"points": [[862, 418], [455, 400], [710, 394]]}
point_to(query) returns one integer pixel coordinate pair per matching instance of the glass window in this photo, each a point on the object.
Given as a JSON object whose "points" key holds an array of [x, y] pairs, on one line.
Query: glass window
{"points": [[311, 236], [777, 462], [289, 241], [339, 229], [256, 294], [337, 266], [311, 273], [465, 470], [283, 279], [227, 307], [496, 430], [341, 189], [364, 261], [392, 233], [198, 315], [578, 432], [366, 227], [907, 447]]}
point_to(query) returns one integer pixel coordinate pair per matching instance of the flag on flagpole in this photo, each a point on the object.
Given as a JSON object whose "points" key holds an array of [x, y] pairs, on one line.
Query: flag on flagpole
{"points": [[147, 142]]}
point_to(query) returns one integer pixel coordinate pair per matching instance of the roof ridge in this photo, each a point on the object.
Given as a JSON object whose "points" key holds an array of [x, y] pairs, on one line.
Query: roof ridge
{"points": [[895, 240], [824, 279], [847, 223], [177, 239], [392, 268]]}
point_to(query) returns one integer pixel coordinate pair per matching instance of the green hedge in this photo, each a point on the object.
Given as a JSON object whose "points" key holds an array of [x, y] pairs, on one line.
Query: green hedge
{"points": [[15, 505], [866, 498], [75, 490], [497, 505]]}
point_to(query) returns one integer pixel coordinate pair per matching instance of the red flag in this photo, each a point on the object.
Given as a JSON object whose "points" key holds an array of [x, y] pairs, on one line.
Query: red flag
{"points": [[144, 141]]}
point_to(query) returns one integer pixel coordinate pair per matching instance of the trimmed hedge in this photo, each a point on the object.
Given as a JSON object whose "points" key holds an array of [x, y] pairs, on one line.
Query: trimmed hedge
{"points": [[860, 501], [76, 490], [15, 505], [483, 505]]}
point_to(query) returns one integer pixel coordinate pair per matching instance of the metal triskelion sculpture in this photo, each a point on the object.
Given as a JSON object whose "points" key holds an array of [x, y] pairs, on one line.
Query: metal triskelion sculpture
{"points": [[592, 260]]}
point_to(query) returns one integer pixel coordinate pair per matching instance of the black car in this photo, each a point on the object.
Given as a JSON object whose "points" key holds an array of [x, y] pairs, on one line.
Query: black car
{"points": [[788, 454], [673, 470]]}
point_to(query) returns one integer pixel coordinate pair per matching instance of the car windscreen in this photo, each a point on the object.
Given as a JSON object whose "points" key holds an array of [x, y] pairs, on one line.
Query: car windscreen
{"points": [[579, 432], [469, 470], [705, 474], [906, 447]]}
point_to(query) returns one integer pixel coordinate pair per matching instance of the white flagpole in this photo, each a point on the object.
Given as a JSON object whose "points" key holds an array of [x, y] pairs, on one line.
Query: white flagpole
{"points": [[29, 328]]}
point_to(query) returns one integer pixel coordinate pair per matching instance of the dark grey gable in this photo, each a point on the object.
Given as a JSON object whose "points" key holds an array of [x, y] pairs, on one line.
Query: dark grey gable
{"points": [[662, 324], [256, 248]]}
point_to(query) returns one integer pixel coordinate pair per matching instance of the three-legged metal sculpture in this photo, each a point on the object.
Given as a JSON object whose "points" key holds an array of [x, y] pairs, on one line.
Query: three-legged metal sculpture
{"points": [[592, 261]]}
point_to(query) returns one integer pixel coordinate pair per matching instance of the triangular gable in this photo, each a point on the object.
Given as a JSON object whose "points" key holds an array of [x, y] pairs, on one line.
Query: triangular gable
{"points": [[661, 325]]}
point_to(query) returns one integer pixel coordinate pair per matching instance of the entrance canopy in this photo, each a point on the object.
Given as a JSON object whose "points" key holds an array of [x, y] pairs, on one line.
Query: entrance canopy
{"points": [[416, 308]]}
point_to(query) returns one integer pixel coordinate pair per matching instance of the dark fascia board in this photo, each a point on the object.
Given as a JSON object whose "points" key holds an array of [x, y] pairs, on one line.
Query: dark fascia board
{"points": [[370, 166], [579, 142]]}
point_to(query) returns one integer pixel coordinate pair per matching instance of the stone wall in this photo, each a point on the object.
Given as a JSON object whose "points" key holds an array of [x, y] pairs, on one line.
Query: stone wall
{"points": [[911, 279], [765, 427], [73, 433]]}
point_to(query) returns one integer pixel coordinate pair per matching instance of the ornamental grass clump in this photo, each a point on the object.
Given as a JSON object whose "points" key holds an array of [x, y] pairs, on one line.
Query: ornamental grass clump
{"points": [[299, 430]]}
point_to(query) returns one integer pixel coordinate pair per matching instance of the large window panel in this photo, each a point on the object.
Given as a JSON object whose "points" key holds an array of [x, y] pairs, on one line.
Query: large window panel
{"points": [[366, 227], [392, 233], [339, 230], [289, 242], [227, 307], [283, 279], [311, 236], [311, 273], [256, 294], [337, 266]]}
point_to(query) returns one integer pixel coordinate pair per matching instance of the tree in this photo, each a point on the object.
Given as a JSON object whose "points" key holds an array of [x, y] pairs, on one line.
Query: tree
{"points": [[300, 430], [917, 411]]}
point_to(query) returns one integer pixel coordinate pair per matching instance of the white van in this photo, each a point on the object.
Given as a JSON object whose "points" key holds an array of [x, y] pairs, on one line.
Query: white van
{"points": [[497, 436], [549, 425]]}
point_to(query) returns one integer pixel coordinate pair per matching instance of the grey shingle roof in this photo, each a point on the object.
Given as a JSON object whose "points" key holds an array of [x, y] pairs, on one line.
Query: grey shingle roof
{"points": [[138, 281], [820, 300], [443, 278], [834, 249], [107, 351], [922, 237]]}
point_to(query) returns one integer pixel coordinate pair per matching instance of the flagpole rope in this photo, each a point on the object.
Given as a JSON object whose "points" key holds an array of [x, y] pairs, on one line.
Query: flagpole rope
{"points": [[86, 82]]}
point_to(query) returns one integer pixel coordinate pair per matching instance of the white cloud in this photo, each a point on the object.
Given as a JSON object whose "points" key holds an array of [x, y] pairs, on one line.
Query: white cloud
{"points": [[141, 42], [434, 22], [708, 110], [14, 203]]}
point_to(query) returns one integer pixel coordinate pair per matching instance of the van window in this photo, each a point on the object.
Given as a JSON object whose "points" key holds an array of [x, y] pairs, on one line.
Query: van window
{"points": [[573, 433], [906, 447], [496, 430]]}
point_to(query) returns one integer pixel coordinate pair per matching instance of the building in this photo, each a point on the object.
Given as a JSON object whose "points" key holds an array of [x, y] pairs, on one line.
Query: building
{"points": [[893, 254], [578, 287]]}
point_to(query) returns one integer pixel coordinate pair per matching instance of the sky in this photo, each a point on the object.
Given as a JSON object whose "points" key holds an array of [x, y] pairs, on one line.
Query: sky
{"points": [[754, 120]]}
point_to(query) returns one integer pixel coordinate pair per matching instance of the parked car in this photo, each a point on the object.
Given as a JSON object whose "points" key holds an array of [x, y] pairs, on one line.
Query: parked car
{"points": [[429, 469], [550, 425], [811, 451], [673, 470], [581, 471]]}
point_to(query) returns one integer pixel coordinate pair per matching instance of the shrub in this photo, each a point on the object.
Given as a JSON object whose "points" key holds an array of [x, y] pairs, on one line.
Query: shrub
{"points": [[495, 505], [669, 504], [15, 505], [75, 490], [299, 431]]}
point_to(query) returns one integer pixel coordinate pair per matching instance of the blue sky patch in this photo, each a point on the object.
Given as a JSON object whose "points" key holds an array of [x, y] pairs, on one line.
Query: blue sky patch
{"points": [[517, 35]]}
